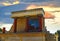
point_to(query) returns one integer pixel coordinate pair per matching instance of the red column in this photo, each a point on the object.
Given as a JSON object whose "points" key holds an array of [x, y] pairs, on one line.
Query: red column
{"points": [[3, 30], [15, 25], [40, 23], [27, 24]]}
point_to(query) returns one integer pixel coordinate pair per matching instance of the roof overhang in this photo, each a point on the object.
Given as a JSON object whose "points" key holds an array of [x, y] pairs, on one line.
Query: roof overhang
{"points": [[31, 12]]}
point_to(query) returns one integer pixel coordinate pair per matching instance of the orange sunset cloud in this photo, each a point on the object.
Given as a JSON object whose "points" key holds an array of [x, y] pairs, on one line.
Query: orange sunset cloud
{"points": [[47, 15]]}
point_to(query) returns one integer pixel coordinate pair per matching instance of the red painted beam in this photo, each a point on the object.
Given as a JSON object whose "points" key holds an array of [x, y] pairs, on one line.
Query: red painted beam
{"points": [[15, 25], [27, 24], [40, 23]]}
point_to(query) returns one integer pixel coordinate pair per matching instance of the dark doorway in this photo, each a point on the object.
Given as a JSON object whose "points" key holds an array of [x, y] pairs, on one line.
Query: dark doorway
{"points": [[34, 25]]}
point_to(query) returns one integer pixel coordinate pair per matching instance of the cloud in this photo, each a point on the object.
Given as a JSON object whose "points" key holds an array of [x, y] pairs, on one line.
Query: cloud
{"points": [[6, 3], [53, 24], [16, 2], [52, 3], [42, 2], [7, 13], [1, 4], [46, 8], [7, 20], [1, 22], [7, 26], [50, 26], [34, 0], [38, 2], [9, 2], [48, 15]]}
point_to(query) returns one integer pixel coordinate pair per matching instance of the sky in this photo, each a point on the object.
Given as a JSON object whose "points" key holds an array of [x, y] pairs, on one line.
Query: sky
{"points": [[50, 6]]}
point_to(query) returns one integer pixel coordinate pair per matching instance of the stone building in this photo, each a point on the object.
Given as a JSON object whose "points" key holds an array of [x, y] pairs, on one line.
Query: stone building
{"points": [[29, 25]]}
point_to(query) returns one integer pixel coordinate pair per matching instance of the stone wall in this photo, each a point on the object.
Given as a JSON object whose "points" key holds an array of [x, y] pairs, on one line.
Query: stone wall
{"points": [[21, 24], [22, 37]]}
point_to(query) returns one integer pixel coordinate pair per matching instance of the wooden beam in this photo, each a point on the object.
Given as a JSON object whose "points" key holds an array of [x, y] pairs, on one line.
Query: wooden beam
{"points": [[15, 25], [40, 18]]}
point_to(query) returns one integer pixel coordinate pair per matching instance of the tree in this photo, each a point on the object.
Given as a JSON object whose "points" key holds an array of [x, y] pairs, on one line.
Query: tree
{"points": [[0, 30]]}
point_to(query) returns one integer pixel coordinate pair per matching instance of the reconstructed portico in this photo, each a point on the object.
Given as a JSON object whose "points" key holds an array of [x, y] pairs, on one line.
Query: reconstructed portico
{"points": [[28, 25], [23, 18]]}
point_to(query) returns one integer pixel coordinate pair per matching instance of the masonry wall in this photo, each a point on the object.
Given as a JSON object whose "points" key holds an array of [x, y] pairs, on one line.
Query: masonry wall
{"points": [[21, 24], [50, 37], [39, 36]]}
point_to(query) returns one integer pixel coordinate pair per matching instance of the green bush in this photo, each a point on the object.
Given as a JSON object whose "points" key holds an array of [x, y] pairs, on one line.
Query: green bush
{"points": [[0, 30]]}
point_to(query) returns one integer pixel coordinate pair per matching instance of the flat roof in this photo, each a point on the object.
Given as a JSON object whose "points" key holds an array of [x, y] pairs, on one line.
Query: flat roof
{"points": [[30, 12]]}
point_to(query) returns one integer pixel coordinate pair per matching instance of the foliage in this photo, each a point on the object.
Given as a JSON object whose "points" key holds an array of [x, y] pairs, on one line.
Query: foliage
{"points": [[0, 30], [58, 32]]}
